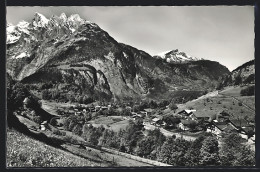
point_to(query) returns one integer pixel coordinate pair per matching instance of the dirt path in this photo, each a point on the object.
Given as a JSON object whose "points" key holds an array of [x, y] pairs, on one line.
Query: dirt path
{"points": [[169, 133]]}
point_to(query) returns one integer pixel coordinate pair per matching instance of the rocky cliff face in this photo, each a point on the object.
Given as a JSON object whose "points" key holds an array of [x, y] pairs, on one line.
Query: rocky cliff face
{"points": [[244, 74], [80, 57]]}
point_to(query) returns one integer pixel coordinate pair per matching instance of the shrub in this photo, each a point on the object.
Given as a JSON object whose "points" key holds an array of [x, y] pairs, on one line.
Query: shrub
{"points": [[36, 119], [58, 132], [173, 106], [249, 91]]}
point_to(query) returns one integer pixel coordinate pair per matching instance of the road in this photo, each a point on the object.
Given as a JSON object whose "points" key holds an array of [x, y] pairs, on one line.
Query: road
{"points": [[169, 133]]}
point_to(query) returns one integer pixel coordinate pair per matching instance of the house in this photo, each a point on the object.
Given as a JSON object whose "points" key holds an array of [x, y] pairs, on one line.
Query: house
{"points": [[239, 123], [78, 113], [160, 123], [43, 125], [138, 116], [92, 109], [148, 111], [155, 120], [186, 112], [26, 102], [133, 113], [184, 125], [97, 108], [219, 127], [144, 113], [201, 116], [104, 108]]}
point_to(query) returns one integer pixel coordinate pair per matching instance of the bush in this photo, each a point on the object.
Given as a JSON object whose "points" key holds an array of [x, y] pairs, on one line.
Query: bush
{"points": [[173, 106], [58, 132], [249, 91], [36, 119]]}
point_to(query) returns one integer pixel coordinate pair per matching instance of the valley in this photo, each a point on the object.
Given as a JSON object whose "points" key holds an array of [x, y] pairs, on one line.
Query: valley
{"points": [[75, 93]]}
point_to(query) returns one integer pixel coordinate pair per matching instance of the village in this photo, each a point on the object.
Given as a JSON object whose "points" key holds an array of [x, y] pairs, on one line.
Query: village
{"points": [[189, 121]]}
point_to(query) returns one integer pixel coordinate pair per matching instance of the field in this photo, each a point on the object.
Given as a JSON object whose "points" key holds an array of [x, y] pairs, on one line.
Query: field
{"points": [[248, 100], [208, 106], [23, 151], [52, 106], [114, 123], [233, 90], [104, 158]]}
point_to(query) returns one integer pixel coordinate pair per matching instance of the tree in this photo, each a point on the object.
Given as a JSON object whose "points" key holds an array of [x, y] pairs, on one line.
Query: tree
{"points": [[249, 91], [173, 106], [209, 154], [234, 153], [173, 151], [77, 129], [192, 124], [145, 146], [192, 155], [238, 80]]}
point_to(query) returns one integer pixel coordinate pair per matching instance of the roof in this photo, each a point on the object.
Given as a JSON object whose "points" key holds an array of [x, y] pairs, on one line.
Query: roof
{"points": [[220, 125], [148, 110], [224, 126], [187, 111], [155, 119], [247, 129], [186, 122], [200, 115], [239, 123], [26, 100]]}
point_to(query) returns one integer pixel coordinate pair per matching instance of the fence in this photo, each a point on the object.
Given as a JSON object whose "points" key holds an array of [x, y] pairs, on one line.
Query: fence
{"points": [[148, 161]]}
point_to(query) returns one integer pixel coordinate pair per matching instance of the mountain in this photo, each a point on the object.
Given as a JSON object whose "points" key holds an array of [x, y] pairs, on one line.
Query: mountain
{"points": [[76, 57], [244, 74], [176, 56]]}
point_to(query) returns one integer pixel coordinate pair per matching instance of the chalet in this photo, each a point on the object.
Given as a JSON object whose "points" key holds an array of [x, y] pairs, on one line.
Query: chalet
{"points": [[186, 112], [104, 108], [239, 123], [184, 125], [138, 116], [155, 120], [70, 111], [133, 113], [219, 127], [43, 125], [160, 123], [78, 113], [200, 116], [97, 108], [144, 113], [26, 102], [148, 111], [92, 109]]}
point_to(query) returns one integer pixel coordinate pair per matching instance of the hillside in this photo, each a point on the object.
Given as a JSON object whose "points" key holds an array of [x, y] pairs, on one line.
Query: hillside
{"points": [[244, 74], [23, 151], [76, 57]]}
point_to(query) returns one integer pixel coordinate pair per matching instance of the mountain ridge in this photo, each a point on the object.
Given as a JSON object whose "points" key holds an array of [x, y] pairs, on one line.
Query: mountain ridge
{"points": [[75, 52]]}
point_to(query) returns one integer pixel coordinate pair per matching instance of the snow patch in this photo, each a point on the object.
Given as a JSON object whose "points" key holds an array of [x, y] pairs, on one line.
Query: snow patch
{"points": [[125, 55], [22, 55]]}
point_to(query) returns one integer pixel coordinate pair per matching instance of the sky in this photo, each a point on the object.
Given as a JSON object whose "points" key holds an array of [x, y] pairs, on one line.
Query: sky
{"points": [[219, 33]]}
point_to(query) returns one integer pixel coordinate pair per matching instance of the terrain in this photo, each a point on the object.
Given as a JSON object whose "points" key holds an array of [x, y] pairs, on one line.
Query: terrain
{"points": [[78, 57], [77, 94]]}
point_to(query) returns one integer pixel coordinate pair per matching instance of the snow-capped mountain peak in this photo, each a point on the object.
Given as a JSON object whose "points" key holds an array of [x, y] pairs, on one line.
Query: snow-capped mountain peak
{"points": [[40, 20], [176, 56], [63, 17]]}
